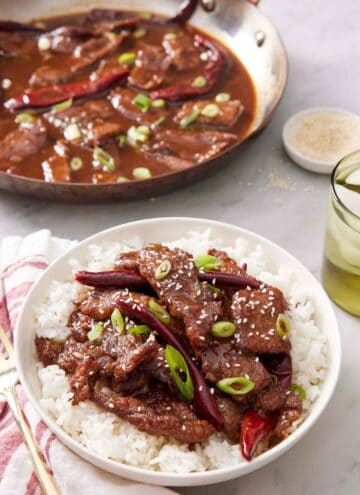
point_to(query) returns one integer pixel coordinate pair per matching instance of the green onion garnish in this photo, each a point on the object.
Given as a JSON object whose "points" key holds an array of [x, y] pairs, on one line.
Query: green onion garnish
{"points": [[160, 120], [190, 119], [111, 36], [223, 329], [121, 140], [163, 270], [72, 132], [96, 331], [63, 105], [76, 163], [199, 82], [283, 326], [143, 102], [127, 58], [103, 157], [211, 110], [25, 118], [207, 262], [117, 321], [222, 97], [158, 103], [141, 173], [170, 36], [139, 33], [121, 179], [159, 311], [298, 389], [135, 135], [179, 372], [140, 330], [144, 129], [244, 385]]}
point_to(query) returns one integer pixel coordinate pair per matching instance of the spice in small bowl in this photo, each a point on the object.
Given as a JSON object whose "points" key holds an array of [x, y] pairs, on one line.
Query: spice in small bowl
{"points": [[318, 138]]}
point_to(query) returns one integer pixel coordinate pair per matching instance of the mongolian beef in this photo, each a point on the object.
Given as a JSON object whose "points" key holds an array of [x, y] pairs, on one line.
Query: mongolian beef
{"points": [[181, 348], [109, 96]]}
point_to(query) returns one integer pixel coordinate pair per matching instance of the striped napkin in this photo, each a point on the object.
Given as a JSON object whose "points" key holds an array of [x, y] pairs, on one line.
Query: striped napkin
{"points": [[22, 260]]}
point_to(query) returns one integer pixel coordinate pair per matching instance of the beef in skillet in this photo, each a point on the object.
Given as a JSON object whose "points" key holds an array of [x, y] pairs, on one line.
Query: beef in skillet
{"points": [[120, 351]]}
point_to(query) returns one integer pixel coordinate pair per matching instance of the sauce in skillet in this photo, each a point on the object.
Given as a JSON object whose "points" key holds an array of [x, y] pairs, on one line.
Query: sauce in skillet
{"points": [[162, 97]]}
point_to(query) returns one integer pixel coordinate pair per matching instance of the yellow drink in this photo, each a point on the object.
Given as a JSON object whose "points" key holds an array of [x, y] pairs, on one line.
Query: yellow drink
{"points": [[341, 266]]}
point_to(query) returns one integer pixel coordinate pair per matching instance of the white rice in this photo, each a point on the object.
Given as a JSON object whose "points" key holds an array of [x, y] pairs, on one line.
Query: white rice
{"points": [[111, 437]]}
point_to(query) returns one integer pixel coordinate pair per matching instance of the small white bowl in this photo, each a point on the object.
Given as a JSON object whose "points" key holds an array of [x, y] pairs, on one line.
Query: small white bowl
{"points": [[160, 230], [318, 166]]}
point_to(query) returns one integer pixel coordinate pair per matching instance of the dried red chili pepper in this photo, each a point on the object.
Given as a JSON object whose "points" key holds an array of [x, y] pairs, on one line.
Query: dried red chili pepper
{"points": [[187, 9], [228, 279], [204, 402], [51, 95], [280, 365], [254, 428], [212, 72]]}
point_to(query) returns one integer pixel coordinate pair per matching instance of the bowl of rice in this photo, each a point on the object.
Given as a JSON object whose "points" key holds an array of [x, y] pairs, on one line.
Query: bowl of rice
{"points": [[112, 443]]}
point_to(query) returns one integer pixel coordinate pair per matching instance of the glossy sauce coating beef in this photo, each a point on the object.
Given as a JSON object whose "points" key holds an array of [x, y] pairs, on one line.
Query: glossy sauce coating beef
{"points": [[126, 371], [154, 56]]}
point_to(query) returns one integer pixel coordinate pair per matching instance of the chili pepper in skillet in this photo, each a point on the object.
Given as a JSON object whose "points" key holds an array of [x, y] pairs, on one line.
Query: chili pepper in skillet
{"points": [[45, 97], [133, 280], [279, 365], [204, 402], [187, 9], [254, 428], [210, 76]]}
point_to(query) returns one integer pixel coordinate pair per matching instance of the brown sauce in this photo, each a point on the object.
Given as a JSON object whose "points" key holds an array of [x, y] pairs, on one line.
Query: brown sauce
{"points": [[167, 147]]}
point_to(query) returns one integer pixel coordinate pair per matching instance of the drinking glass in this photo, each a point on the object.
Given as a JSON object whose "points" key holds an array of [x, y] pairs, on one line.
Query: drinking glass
{"points": [[341, 263]]}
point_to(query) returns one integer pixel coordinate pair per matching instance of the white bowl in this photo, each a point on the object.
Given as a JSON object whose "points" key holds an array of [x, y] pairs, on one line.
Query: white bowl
{"points": [[305, 161], [168, 229]]}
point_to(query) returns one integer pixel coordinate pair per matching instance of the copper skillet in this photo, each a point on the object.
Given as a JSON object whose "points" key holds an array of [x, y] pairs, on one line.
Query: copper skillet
{"points": [[240, 26]]}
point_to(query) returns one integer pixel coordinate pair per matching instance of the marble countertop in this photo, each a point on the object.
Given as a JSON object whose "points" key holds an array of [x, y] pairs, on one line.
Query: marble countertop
{"points": [[263, 191]]}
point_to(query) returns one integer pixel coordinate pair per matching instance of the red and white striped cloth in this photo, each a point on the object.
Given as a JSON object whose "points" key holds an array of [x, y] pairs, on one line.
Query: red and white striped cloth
{"points": [[22, 260]]}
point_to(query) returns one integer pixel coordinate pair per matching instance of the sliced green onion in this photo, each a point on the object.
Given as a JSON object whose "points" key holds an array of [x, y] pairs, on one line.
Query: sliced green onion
{"points": [[223, 329], [283, 326], [160, 120], [111, 36], [244, 385], [25, 118], [134, 135], [143, 102], [141, 173], [72, 132], [139, 33], [76, 163], [199, 82], [63, 105], [190, 119], [103, 157], [207, 262], [44, 43], [159, 311], [179, 372], [170, 36], [145, 15], [222, 97], [163, 270], [140, 330], [158, 103], [122, 179], [127, 58], [298, 389], [117, 321], [121, 140], [144, 129], [211, 110], [96, 331]]}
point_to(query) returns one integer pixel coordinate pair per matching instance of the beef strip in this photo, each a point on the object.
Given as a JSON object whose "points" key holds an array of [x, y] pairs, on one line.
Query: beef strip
{"points": [[228, 113], [255, 313], [80, 324], [48, 350], [150, 68], [290, 412], [157, 413], [83, 380], [56, 169], [93, 119], [15, 44], [222, 360], [232, 415], [186, 298], [272, 398], [122, 100], [28, 139], [196, 146], [182, 52]]}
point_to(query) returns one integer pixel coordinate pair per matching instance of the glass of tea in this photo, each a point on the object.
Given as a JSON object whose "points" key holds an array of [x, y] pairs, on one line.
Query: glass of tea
{"points": [[341, 264]]}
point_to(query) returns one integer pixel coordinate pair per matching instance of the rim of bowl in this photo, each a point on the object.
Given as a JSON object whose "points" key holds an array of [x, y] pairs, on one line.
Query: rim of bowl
{"points": [[203, 477]]}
